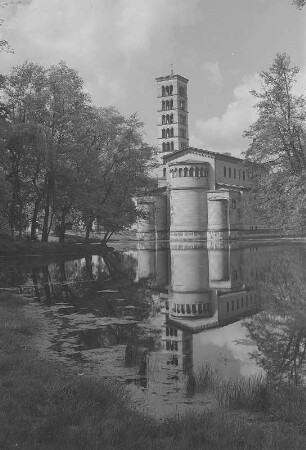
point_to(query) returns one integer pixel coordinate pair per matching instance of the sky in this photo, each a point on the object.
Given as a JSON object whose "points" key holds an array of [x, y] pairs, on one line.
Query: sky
{"points": [[119, 47]]}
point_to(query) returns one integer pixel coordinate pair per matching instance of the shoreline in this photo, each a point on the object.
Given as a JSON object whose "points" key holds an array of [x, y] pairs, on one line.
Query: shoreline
{"points": [[55, 405], [20, 249]]}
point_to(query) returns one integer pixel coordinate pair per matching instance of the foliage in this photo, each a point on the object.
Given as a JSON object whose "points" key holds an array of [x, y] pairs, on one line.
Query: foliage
{"points": [[4, 199], [299, 3], [65, 160], [280, 329], [277, 153]]}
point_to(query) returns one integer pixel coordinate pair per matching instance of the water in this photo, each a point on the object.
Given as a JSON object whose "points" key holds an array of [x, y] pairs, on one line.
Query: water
{"points": [[153, 317]]}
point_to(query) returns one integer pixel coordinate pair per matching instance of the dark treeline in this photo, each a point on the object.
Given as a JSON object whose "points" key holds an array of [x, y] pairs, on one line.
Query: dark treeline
{"points": [[64, 161]]}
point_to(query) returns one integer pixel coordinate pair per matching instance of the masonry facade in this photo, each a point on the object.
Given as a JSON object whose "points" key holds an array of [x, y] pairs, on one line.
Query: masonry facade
{"points": [[201, 194]]}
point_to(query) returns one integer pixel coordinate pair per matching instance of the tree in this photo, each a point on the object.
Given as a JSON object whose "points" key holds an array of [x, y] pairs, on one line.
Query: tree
{"points": [[299, 3], [25, 94], [4, 45], [277, 153], [115, 168], [65, 160], [280, 329], [44, 108], [4, 201], [67, 103]]}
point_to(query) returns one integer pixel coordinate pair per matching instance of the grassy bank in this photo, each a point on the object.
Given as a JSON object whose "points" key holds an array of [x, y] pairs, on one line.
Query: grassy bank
{"points": [[280, 401], [45, 405], [26, 247]]}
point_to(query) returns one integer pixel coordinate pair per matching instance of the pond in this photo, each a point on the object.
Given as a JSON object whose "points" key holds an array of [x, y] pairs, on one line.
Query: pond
{"points": [[156, 316]]}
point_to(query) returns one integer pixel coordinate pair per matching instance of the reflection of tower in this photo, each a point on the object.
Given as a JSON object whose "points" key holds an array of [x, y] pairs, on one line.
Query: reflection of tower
{"points": [[172, 113], [218, 266], [235, 300], [146, 257], [162, 266], [177, 347], [190, 295], [153, 263], [225, 268]]}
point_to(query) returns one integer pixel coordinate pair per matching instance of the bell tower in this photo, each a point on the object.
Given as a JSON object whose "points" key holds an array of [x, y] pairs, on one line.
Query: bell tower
{"points": [[172, 113]]}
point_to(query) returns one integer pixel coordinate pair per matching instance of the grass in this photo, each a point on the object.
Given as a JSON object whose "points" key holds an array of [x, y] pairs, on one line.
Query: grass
{"points": [[48, 406], [280, 401]]}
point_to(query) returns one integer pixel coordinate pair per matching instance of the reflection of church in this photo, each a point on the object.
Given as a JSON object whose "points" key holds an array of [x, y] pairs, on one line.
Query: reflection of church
{"points": [[207, 288], [201, 193]]}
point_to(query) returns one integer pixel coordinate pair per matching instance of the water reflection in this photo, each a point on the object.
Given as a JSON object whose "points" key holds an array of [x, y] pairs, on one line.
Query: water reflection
{"points": [[280, 329], [155, 315]]}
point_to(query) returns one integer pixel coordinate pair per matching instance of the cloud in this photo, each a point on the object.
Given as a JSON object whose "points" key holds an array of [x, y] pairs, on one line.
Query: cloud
{"points": [[234, 338], [224, 132], [212, 69], [111, 42]]}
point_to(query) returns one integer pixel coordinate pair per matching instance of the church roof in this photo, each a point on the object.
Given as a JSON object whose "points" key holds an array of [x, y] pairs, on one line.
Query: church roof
{"points": [[188, 161], [199, 151], [171, 77]]}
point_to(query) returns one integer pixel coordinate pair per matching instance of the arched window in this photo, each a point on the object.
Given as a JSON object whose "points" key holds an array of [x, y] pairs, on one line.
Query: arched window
{"points": [[171, 118], [171, 104], [164, 146], [172, 146], [191, 172], [235, 173], [168, 146], [224, 171], [163, 133], [185, 172], [164, 172], [180, 172], [202, 172], [163, 119], [167, 104], [196, 172], [171, 132], [171, 90], [163, 91], [163, 105], [167, 90], [229, 172]]}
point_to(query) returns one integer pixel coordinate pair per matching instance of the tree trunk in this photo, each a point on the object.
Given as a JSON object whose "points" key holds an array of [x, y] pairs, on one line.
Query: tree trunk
{"points": [[88, 229], [107, 236], [12, 214], [62, 228], [34, 220], [49, 184]]}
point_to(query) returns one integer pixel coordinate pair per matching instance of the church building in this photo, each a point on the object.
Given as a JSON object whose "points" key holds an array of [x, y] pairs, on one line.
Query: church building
{"points": [[201, 194]]}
